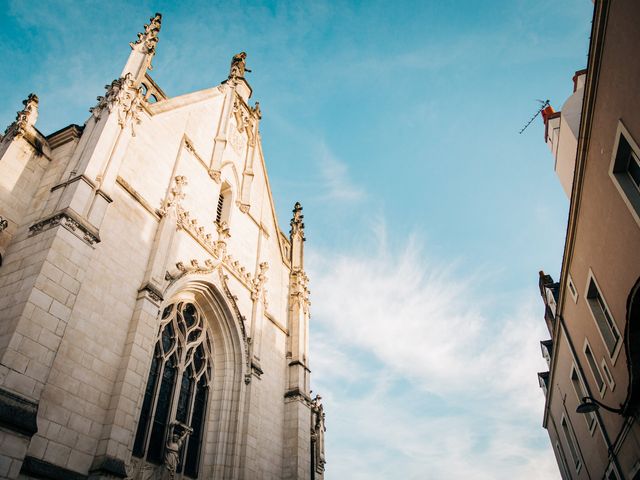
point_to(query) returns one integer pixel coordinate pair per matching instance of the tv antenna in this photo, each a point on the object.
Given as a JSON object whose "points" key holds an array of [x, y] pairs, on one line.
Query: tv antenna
{"points": [[543, 104]]}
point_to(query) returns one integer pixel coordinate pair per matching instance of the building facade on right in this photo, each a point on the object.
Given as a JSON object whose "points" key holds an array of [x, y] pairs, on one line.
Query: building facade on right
{"points": [[592, 388]]}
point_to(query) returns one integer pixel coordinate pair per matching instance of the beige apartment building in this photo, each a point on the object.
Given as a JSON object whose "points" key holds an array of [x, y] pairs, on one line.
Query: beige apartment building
{"points": [[154, 319], [592, 388]]}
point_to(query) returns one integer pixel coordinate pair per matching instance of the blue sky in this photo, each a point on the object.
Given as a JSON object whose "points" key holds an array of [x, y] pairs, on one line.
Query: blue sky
{"points": [[428, 216]]}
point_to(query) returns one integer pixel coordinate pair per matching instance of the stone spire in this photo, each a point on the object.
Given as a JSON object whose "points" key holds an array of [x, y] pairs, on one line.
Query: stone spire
{"points": [[296, 236], [25, 117], [297, 226], [143, 50], [148, 39]]}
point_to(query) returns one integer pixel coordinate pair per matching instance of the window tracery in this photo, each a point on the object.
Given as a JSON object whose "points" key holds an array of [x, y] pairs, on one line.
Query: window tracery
{"points": [[177, 391]]}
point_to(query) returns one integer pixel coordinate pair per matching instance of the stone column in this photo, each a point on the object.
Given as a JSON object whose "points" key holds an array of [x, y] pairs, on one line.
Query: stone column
{"points": [[297, 436]]}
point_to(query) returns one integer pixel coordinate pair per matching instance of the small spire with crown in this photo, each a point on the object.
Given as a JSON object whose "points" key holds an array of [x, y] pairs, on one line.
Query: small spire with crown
{"points": [[148, 39], [296, 237], [143, 51], [297, 226]]}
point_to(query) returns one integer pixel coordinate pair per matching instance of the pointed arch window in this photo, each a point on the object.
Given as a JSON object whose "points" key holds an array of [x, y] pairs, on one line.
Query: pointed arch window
{"points": [[177, 390]]}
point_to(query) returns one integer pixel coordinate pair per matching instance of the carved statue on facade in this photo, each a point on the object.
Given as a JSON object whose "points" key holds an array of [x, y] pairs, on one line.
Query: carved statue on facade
{"points": [[172, 449], [317, 433], [238, 65]]}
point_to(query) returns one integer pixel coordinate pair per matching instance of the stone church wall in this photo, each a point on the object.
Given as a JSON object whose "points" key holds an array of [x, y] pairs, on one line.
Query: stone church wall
{"points": [[107, 225]]}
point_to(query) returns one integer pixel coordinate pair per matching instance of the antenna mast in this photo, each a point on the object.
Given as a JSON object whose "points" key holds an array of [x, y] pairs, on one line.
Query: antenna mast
{"points": [[543, 104]]}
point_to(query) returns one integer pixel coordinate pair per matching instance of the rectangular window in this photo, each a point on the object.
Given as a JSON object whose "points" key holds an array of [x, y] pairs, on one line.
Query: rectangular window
{"points": [[593, 366], [625, 170], [564, 471], [607, 374], [572, 289], [604, 320], [568, 435], [590, 418], [633, 169]]}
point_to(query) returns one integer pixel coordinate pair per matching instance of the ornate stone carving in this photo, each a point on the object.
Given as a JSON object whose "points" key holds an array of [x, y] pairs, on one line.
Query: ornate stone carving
{"points": [[176, 194], [4, 224], [238, 114], [237, 141], [245, 123], [25, 117], [194, 267], [78, 228], [152, 293], [248, 128], [148, 39], [300, 290], [216, 175], [238, 65], [223, 235], [259, 280], [297, 226], [216, 248], [265, 299], [317, 433], [123, 96]]}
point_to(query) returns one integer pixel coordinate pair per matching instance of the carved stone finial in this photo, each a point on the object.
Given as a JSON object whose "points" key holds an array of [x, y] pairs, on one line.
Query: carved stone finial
{"points": [[223, 231], [260, 279], [256, 110], [25, 117], [238, 65], [297, 226], [220, 246], [148, 39]]}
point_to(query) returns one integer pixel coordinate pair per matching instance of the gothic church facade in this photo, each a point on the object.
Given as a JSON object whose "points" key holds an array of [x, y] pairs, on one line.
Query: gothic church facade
{"points": [[154, 319]]}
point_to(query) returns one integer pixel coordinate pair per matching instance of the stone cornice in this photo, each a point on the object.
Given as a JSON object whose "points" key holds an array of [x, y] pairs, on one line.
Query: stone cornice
{"points": [[70, 220], [34, 467], [297, 394], [65, 135], [17, 413]]}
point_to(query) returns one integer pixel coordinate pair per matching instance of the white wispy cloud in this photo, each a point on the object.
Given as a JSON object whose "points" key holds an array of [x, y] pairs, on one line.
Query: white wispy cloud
{"points": [[336, 182], [425, 374]]}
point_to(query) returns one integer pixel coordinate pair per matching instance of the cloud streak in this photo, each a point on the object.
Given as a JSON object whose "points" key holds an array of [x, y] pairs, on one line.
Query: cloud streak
{"points": [[425, 374]]}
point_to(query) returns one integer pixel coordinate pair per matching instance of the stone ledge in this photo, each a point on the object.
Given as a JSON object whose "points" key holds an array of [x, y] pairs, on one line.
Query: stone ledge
{"points": [[107, 465], [297, 394], [40, 469], [17, 413]]}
